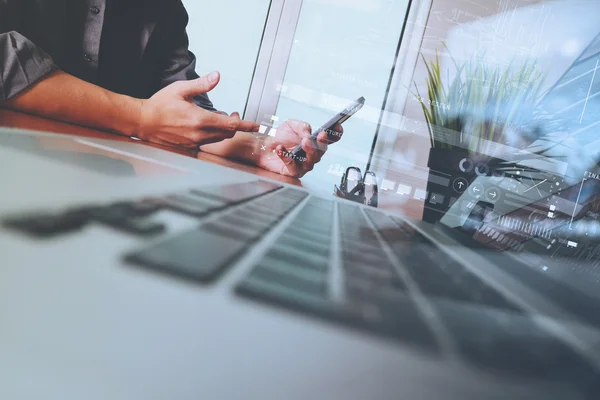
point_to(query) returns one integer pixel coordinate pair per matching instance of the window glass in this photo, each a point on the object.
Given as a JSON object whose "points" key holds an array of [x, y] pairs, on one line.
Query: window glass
{"points": [[342, 50], [225, 35], [517, 81]]}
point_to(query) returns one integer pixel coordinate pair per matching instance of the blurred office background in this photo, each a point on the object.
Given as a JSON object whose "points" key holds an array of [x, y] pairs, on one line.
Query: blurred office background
{"points": [[340, 50], [329, 52]]}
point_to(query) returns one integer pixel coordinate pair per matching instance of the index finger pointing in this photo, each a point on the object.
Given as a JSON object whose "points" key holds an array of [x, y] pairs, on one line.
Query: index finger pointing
{"points": [[233, 123], [248, 126]]}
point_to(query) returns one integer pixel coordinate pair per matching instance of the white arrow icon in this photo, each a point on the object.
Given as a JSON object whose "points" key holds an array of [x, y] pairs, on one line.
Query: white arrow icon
{"points": [[460, 185], [493, 194]]}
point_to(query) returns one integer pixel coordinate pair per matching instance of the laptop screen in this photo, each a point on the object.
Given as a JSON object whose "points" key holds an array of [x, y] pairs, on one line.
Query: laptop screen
{"points": [[543, 201]]}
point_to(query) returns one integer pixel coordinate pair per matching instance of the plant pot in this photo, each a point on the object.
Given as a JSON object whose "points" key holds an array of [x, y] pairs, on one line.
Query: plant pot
{"points": [[451, 171]]}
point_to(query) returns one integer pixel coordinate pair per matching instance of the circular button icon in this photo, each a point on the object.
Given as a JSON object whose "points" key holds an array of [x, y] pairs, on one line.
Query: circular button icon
{"points": [[466, 165], [477, 189], [482, 170], [460, 185], [492, 194]]}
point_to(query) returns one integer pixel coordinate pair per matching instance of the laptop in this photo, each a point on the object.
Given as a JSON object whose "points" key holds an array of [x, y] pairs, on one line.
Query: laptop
{"points": [[132, 273]]}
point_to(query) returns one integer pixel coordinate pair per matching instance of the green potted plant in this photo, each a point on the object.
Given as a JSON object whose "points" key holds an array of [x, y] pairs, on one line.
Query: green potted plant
{"points": [[467, 115]]}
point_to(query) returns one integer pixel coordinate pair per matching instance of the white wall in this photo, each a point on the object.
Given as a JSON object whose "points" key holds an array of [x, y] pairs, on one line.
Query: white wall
{"points": [[225, 35]]}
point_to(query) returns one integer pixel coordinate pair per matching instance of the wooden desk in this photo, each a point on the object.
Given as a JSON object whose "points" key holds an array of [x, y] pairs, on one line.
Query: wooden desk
{"points": [[14, 119], [388, 201]]}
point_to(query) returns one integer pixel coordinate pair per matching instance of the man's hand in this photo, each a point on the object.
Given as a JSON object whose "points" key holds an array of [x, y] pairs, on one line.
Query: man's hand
{"points": [[171, 118], [276, 158]]}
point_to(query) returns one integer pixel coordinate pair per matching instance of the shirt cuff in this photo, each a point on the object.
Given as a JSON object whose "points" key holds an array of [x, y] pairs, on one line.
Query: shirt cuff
{"points": [[22, 64]]}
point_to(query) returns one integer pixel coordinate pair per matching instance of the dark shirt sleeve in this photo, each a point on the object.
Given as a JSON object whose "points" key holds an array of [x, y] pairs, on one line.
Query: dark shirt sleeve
{"points": [[22, 63], [180, 63]]}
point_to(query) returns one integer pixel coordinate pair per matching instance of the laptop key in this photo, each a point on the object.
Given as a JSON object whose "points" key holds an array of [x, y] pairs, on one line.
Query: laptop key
{"points": [[47, 225], [308, 234], [314, 284], [196, 254], [257, 225], [235, 193], [124, 216], [367, 257], [135, 209], [143, 208], [304, 244], [247, 229], [295, 258], [241, 233], [119, 216], [394, 316], [384, 273], [248, 214], [195, 208]]}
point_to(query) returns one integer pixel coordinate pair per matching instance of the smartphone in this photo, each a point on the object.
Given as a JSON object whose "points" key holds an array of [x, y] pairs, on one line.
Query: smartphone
{"points": [[300, 155]]}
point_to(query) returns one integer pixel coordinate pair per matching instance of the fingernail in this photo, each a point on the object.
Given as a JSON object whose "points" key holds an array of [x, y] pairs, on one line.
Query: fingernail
{"points": [[213, 77]]}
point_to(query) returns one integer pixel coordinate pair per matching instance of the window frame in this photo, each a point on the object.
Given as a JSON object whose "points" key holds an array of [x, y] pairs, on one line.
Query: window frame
{"points": [[392, 120], [275, 51], [272, 60]]}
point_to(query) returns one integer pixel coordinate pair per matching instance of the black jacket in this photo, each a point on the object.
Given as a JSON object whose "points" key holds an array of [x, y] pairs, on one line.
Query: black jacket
{"points": [[132, 47]]}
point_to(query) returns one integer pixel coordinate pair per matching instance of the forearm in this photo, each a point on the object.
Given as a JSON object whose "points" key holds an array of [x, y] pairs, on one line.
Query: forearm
{"points": [[63, 97], [244, 147]]}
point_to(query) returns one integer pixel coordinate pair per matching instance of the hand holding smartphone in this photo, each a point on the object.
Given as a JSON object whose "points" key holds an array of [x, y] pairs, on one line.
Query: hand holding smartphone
{"points": [[299, 154]]}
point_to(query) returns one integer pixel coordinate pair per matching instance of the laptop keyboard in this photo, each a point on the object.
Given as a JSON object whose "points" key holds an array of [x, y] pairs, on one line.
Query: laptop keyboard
{"points": [[335, 261], [205, 252], [435, 273], [297, 274], [129, 216]]}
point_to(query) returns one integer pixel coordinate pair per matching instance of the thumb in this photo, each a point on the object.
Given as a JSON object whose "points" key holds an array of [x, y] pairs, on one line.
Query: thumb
{"points": [[199, 86]]}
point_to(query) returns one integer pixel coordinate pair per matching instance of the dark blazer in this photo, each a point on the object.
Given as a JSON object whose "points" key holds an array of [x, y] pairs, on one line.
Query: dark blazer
{"points": [[132, 47]]}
